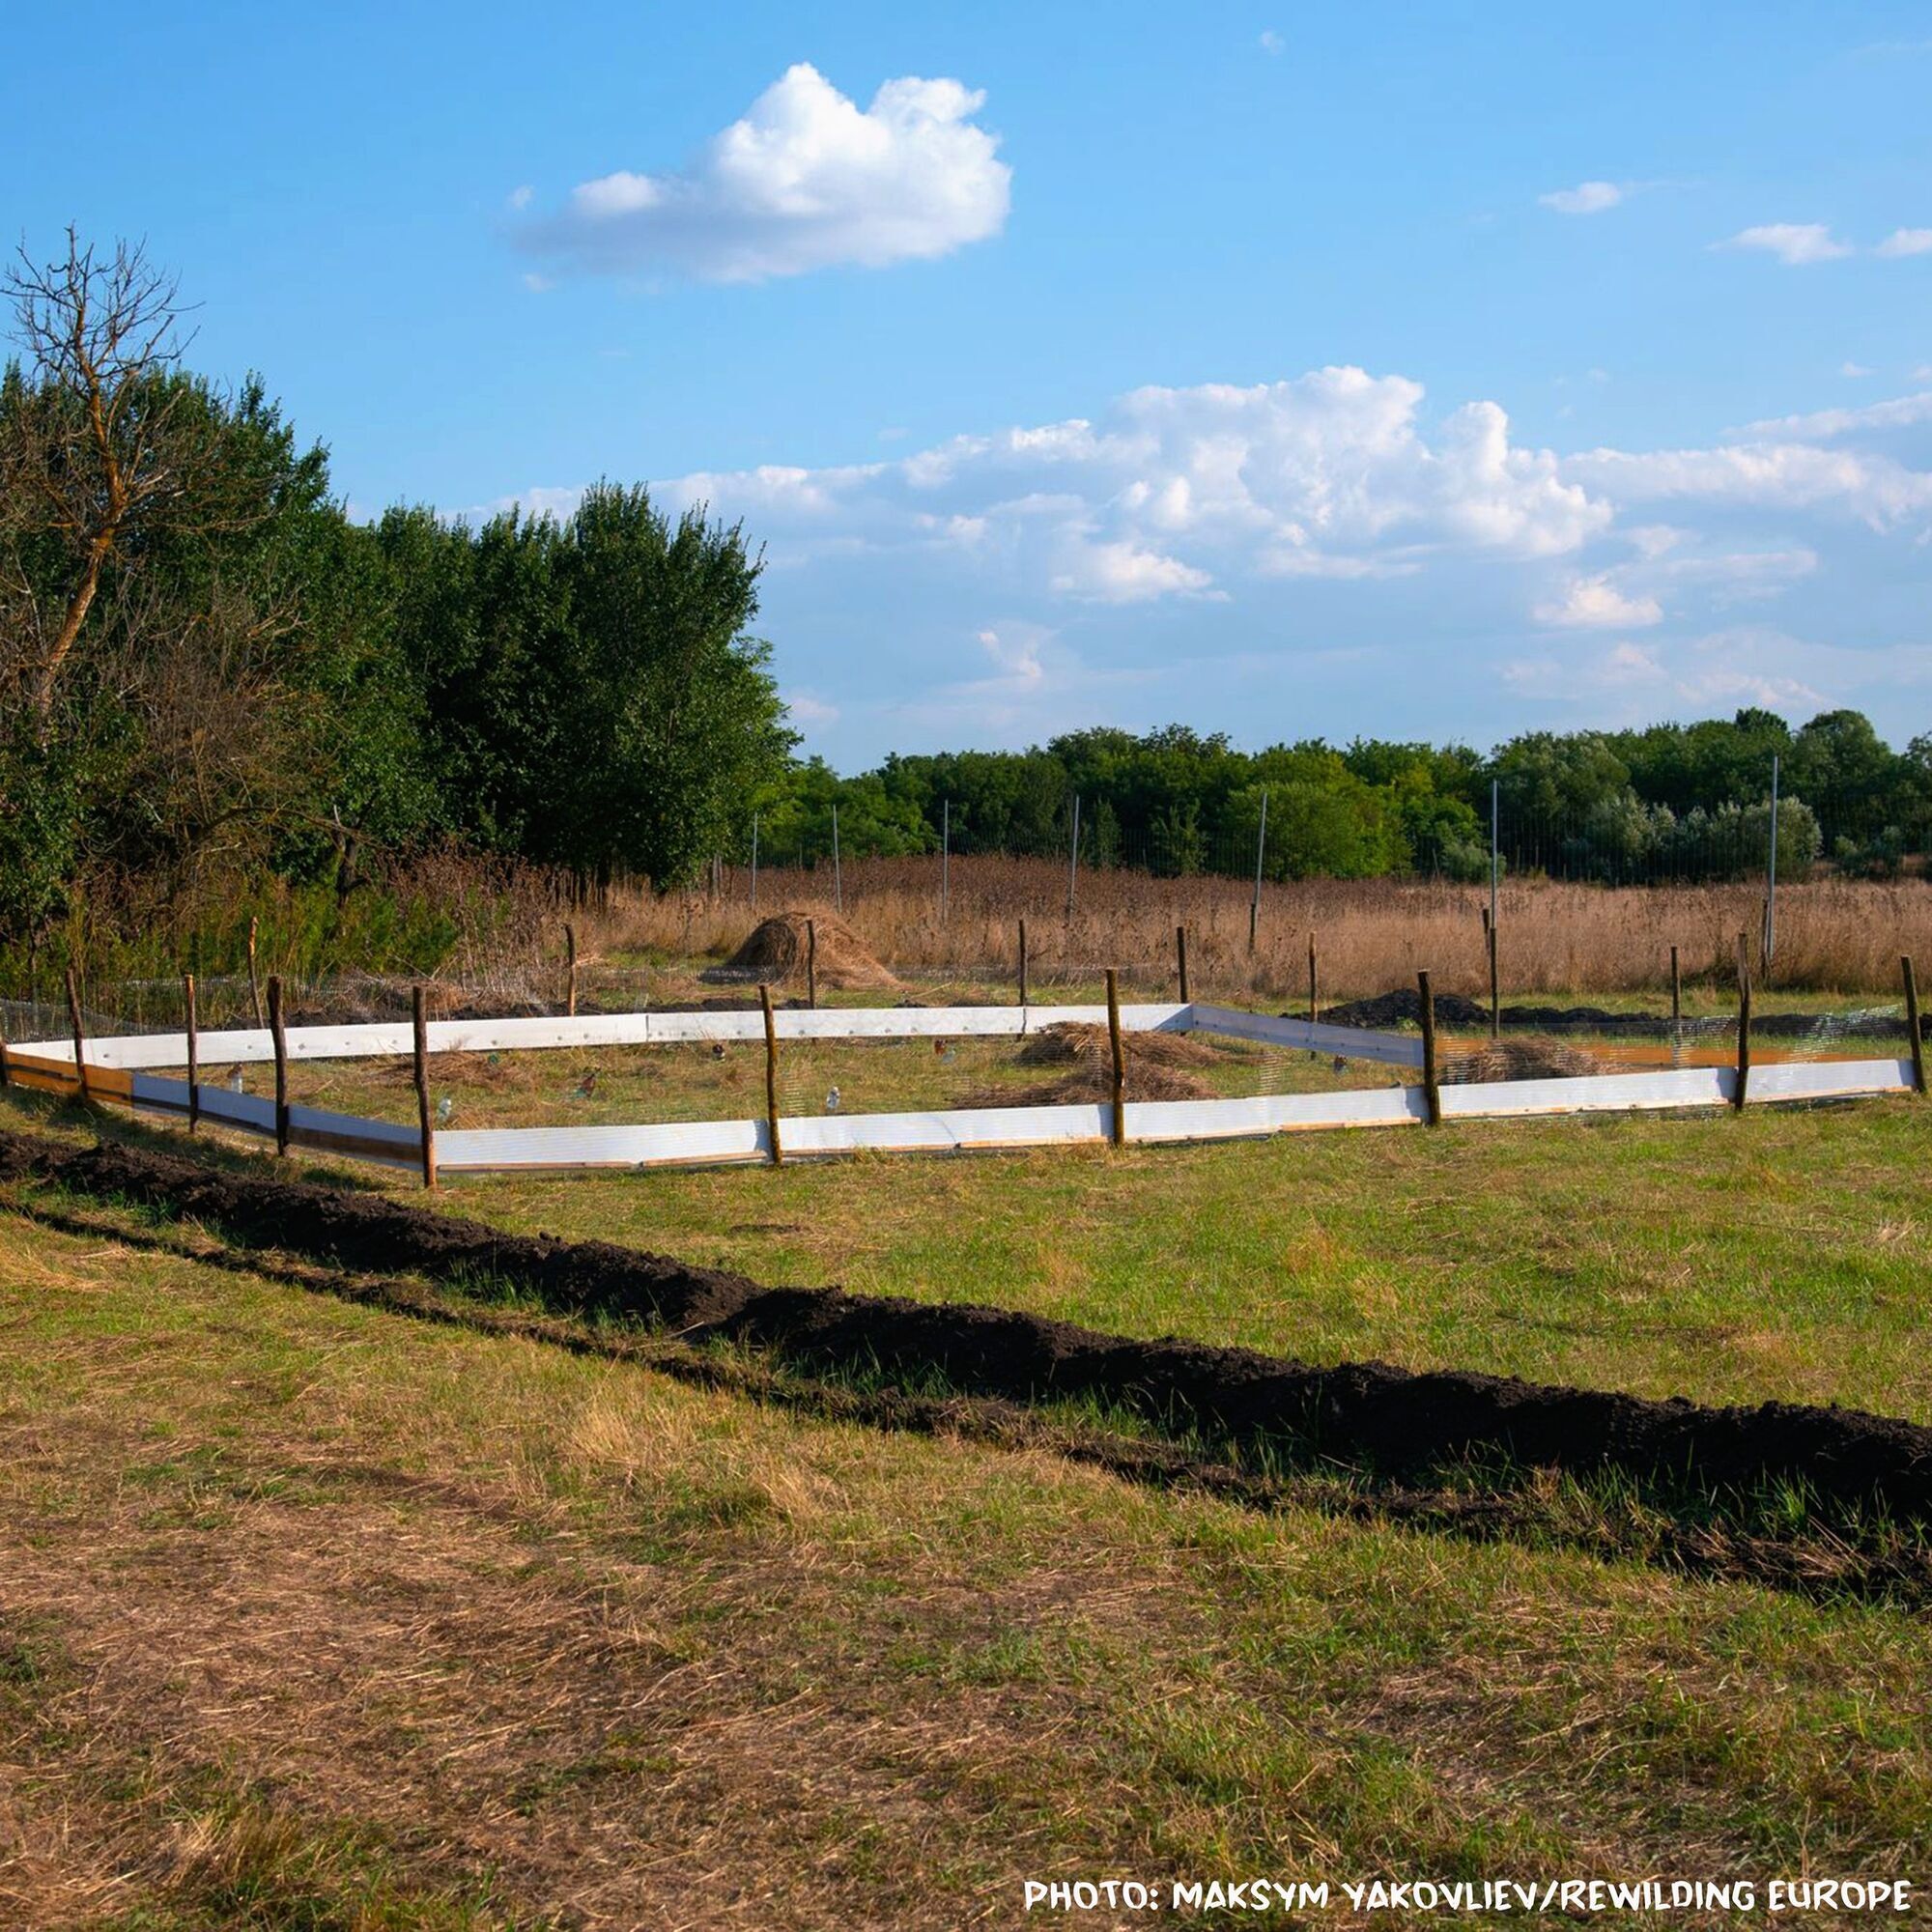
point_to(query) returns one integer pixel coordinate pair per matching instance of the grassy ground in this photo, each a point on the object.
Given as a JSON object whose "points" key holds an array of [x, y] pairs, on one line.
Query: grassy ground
{"points": [[1784, 1254], [312, 1615]]}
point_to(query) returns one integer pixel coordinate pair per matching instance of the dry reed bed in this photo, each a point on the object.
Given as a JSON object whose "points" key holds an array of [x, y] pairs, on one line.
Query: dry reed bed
{"points": [[1832, 935]]}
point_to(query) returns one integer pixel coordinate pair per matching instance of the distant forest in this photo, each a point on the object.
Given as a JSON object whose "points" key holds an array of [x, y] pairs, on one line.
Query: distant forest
{"points": [[211, 677]]}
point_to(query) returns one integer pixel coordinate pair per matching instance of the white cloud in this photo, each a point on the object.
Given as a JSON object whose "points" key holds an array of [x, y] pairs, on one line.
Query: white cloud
{"points": [[520, 197], [805, 180], [1590, 197], [808, 710], [1015, 652], [1594, 602], [1326, 476], [1821, 425], [1853, 369], [1795, 244], [1625, 672], [1744, 663], [1907, 241], [1271, 42], [1876, 490], [1122, 572]]}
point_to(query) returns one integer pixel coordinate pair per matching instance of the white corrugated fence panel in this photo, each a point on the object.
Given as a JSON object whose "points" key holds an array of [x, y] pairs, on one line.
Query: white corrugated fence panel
{"points": [[1593, 1094], [1824, 1079], [951, 1128], [1272, 1114], [676, 1143], [248, 1045]]}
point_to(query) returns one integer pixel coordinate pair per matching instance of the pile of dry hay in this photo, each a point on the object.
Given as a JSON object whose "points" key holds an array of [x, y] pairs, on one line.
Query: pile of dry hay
{"points": [[1519, 1059], [1157, 1065], [774, 952]]}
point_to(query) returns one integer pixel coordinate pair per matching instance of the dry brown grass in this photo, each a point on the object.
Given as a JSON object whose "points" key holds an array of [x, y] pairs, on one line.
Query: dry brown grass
{"points": [[1832, 935], [1158, 1067], [790, 946], [1522, 1059]]}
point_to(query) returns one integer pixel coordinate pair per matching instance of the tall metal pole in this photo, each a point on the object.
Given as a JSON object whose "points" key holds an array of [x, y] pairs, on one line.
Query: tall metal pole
{"points": [[1495, 864], [837, 873], [945, 855], [1260, 849], [1073, 856], [1770, 882]]}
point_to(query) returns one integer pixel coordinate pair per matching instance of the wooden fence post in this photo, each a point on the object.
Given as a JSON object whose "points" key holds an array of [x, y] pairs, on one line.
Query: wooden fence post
{"points": [[772, 1073], [810, 964], [1180, 959], [254, 977], [1023, 963], [279, 1037], [1744, 1025], [1120, 1057], [1911, 1022], [1676, 996], [424, 1117], [1432, 1086], [570, 957], [193, 1052], [79, 1038]]}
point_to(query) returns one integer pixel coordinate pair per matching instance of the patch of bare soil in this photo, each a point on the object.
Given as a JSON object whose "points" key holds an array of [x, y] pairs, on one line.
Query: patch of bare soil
{"points": [[1367, 1413]]}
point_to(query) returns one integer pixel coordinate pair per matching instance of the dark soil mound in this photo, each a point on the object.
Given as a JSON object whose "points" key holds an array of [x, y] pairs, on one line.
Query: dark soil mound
{"points": [[1360, 1412], [1390, 1010], [1452, 1010], [776, 951]]}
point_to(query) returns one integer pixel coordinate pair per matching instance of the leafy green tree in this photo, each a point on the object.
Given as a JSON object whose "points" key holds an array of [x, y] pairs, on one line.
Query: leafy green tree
{"points": [[661, 719]]}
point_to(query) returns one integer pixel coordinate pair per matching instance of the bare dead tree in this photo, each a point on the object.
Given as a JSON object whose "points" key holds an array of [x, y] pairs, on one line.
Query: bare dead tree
{"points": [[101, 443]]}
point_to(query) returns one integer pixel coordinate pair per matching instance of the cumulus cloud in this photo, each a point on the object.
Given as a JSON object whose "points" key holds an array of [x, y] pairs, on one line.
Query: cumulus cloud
{"points": [[1330, 475], [1795, 243], [1590, 197], [1907, 241], [1271, 42], [1594, 602], [805, 180], [1877, 489]]}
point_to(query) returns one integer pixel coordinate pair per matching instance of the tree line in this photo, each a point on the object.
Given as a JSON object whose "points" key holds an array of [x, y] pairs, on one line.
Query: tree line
{"points": [[1667, 802], [211, 675]]}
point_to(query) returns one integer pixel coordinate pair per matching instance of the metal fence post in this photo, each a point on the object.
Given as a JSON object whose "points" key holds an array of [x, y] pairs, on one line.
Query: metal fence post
{"points": [[1260, 849], [1432, 1086]]}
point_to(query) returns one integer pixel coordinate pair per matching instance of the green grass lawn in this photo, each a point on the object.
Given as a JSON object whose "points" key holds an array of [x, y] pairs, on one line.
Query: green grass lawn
{"points": [[1782, 1255], [315, 1616]]}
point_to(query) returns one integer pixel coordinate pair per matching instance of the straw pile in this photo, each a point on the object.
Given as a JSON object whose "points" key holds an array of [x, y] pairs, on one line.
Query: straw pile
{"points": [[774, 952]]}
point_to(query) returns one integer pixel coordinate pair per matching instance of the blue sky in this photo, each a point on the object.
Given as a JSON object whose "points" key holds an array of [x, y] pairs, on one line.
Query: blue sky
{"points": [[1405, 371]]}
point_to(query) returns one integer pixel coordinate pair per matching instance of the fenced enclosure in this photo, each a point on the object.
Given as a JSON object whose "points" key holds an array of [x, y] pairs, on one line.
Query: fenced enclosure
{"points": [[1117, 1075]]}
